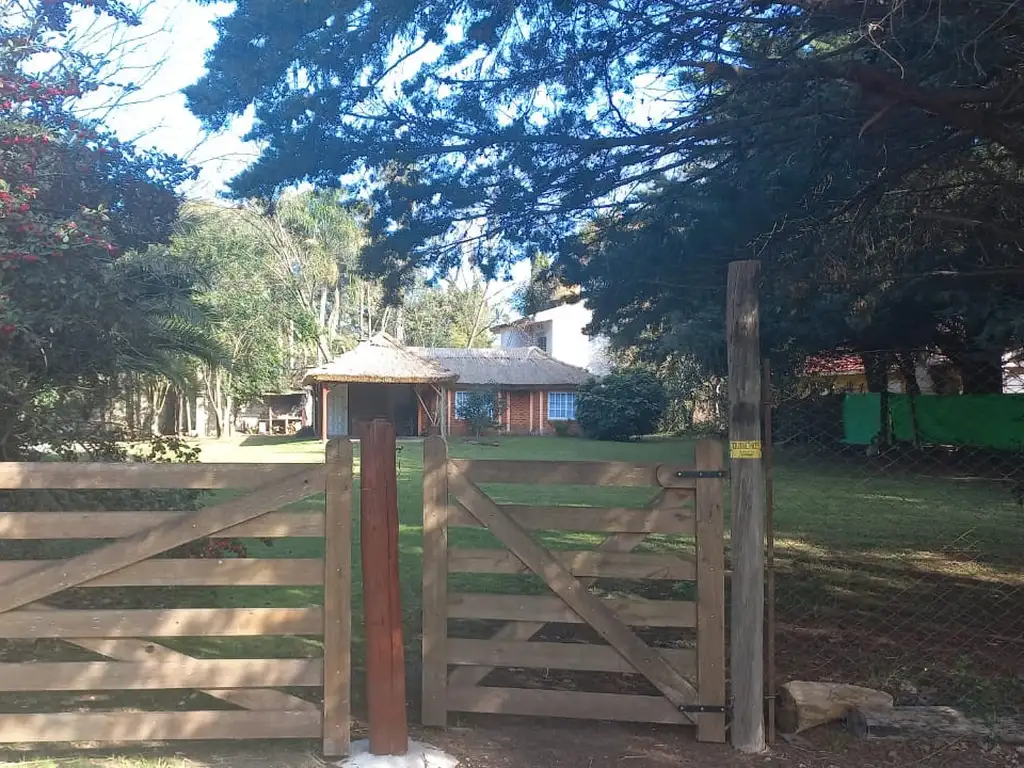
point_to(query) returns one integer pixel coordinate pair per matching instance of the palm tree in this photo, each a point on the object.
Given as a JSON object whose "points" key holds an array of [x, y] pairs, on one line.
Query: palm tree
{"points": [[164, 332]]}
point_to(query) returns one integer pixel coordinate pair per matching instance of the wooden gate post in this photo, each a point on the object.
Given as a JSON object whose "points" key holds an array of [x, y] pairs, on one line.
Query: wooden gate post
{"points": [[748, 507], [435, 582], [338, 599], [385, 654]]}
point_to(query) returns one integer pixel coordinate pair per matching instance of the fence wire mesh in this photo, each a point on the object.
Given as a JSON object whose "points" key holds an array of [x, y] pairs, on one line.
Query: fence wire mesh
{"points": [[898, 528]]}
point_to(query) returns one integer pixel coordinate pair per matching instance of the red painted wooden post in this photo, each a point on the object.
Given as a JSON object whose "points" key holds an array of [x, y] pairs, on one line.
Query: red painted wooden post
{"points": [[385, 653]]}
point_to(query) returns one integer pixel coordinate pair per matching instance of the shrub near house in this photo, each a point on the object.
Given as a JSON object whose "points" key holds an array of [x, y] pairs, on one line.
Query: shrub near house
{"points": [[621, 406], [479, 409]]}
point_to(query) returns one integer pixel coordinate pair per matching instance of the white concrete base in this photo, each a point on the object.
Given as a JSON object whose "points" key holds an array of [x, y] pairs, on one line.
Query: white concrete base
{"points": [[418, 756]]}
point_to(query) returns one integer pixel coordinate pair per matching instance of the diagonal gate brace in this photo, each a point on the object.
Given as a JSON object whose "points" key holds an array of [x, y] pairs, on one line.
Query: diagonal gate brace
{"points": [[646, 660], [65, 574]]}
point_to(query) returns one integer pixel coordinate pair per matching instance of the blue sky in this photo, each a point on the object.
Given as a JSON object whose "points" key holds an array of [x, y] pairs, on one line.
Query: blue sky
{"points": [[174, 35]]}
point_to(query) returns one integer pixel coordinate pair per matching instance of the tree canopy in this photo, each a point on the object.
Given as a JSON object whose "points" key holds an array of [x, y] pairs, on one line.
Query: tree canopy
{"points": [[83, 295], [502, 124]]}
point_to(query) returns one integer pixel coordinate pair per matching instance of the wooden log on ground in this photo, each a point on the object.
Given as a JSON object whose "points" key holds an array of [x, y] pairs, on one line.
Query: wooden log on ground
{"points": [[943, 723], [804, 705]]}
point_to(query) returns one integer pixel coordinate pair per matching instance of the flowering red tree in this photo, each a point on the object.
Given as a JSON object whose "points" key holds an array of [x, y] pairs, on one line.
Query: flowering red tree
{"points": [[73, 201]]}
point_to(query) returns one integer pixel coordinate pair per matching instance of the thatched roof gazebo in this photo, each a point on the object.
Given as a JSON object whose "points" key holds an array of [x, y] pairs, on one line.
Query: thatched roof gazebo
{"points": [[419, 389], [380, 362], [378, 379]]}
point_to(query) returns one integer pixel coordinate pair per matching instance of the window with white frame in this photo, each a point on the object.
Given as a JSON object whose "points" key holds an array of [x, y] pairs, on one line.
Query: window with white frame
{"points": [[561, 406]]}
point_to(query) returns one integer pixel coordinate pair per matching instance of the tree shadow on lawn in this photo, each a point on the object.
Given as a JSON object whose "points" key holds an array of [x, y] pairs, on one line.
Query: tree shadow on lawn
{"points": [[928, 634]]}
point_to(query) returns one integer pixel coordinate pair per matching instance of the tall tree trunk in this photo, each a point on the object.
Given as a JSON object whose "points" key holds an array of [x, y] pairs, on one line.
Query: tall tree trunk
{"points": [[213, 400], [907, 362], [877, 366], [323, 307], [400, 324], [229, 413], [130, 414], [291, 346], [334, 320], [158, 400]]}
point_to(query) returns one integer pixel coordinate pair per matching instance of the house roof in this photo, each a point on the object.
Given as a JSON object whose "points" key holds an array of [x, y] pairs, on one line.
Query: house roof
{"points": [[382, 361], [510, 367]]}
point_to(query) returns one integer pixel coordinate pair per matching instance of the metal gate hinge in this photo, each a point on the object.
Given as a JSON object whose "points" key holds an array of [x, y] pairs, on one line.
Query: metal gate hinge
{"points": [[703, 474], [700, 709]]}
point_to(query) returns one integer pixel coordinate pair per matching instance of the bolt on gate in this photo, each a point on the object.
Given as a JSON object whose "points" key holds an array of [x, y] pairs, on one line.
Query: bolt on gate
{"points": [[87, 606], [683, 683]]}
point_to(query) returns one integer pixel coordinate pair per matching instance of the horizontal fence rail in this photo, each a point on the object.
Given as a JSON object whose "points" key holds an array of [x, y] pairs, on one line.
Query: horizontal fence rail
{"points": [[114, 584]]}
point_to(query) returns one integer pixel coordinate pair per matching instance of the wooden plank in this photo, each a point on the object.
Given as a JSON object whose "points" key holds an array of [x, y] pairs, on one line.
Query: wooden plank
{"points": [[199, 572], [546, 610], [570, 656], [710, 593], [40, 476], [169, 622], [116, 525], [586, 563], [677, 520], [337, 577], [612, 473], [147, 651], [746, 670], [41, 583], [127, 727], [160, 675], [524, 630], [591, 609], [434, 710], [575, 704], [127, 649]]}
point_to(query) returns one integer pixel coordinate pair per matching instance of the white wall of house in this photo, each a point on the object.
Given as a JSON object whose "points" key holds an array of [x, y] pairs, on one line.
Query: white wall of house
{"points": [[560, 332]]}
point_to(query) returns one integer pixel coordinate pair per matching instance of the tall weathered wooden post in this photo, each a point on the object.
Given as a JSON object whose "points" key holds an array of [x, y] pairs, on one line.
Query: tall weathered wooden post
{"points": [[748, 507]]}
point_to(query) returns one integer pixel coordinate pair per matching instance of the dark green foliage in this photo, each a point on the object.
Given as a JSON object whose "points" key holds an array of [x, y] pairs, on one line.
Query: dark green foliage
{"points": [[867, 152], [536, 108], [481, 409], [623, 405], [86, 293]]}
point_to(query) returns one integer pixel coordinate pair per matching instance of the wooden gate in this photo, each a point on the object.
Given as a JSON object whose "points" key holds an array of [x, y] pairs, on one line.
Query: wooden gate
{"points": [[687, 681], [241, 700]]}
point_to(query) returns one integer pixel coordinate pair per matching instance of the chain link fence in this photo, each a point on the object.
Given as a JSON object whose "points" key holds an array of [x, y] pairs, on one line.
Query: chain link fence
{"points": [[897, 528]]}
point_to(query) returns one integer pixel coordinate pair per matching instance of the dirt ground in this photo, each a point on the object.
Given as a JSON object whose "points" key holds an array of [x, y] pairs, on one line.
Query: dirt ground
{"points": [[481, 742], [531, 743]]}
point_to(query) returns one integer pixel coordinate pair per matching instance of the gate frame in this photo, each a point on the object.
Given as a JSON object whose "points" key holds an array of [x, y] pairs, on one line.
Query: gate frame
{"points": [[141, 536], [450, 493]]}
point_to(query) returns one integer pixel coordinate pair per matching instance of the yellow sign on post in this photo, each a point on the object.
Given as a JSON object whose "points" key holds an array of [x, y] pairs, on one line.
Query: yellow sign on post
{"points": [[745, 449]]}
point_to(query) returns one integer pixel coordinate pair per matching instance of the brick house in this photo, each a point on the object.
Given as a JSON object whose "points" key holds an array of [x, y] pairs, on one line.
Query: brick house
{"points": [[421, 390]]}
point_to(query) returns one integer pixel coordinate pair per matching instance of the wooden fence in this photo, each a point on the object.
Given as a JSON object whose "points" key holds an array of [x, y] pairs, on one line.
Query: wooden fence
{"points": [[688, 682], [241, 698]]}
